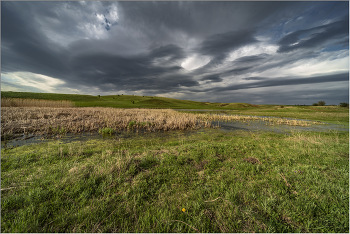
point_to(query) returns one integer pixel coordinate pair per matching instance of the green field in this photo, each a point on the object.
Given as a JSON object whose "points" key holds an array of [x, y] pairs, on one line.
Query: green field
{"points": [[125, 101], [183, 181], [226, 182]]}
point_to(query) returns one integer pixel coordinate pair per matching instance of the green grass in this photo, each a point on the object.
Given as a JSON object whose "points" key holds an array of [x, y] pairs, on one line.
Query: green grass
{"points": [[125, 101], [106, 131], [142, 184]]}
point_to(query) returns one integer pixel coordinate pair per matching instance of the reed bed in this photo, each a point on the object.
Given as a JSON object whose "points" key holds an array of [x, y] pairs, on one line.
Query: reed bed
{"points": [[15, 120], [20, 102], [47, 120], [267, 120]]}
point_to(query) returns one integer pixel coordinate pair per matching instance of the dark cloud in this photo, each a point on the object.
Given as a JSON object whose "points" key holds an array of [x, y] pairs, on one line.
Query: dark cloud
{"points": [[212, 78], [343, 43], [225, 42], [199, 19], [174, 51], [140, 46], [253, 58], [132, 72], [254, 78], [14, 26], [277, 95], [284, 82], [314, 37], [237, 70]]}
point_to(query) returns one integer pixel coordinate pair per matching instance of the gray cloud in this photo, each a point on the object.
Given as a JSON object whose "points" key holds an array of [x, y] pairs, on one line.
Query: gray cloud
{"points": [[132, 72], [314, 37], [253, 58], [212, 78], [254, 78], [140, 46], [222, 43], [284, 82]]}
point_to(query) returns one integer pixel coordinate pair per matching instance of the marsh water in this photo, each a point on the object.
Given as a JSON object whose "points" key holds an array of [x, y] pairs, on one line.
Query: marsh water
{"points": [[252, 126]]}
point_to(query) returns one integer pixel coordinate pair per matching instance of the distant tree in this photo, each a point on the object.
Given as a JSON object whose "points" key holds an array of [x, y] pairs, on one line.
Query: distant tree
{"points": [[344, 104], [315, 104], [98, 96], [321, 103]]}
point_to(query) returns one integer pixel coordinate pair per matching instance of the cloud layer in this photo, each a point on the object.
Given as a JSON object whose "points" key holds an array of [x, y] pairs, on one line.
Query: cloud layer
{"points": [[205, 51]]}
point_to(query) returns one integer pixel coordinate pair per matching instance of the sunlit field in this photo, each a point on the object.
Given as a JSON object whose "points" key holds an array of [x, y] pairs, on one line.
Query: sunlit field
{"points": [[207, 182]]}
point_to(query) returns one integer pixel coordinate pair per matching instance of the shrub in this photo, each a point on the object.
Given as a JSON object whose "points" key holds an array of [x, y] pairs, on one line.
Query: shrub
{"points": [[344, 104], [57, 130], [321, 103], [131, 124], [105, 131], [315, 104], [282, 106], [145, 124]]}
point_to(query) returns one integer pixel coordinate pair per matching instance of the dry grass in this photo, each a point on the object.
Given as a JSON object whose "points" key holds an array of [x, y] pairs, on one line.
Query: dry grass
{"points": [[19, 102], [269, 120], [90, 119], [48, 120]]}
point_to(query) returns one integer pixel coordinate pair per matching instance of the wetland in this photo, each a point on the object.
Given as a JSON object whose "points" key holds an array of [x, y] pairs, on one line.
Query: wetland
{"points": [[244, 169]]}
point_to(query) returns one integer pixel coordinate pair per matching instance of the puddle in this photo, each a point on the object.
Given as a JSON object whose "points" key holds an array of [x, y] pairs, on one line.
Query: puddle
{"points": [[198, 110], [70, 137], [253, 126]]}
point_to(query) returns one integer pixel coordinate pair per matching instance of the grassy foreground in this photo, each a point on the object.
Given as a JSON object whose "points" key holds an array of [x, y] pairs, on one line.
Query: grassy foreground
{"points": [[205, 182]]}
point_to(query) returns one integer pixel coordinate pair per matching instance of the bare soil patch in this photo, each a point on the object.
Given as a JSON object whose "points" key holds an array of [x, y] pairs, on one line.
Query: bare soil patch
{"points": [[252, 160]]}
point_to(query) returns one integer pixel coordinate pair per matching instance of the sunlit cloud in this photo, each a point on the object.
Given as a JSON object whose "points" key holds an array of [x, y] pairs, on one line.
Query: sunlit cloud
{"points": [[195, 61]]}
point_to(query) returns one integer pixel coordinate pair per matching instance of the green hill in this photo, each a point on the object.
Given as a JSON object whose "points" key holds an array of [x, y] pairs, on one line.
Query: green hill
{"points": [[126, 101]]}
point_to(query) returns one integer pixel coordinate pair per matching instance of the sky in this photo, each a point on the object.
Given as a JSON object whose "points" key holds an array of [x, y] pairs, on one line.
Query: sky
{"points": [[254, 52]]}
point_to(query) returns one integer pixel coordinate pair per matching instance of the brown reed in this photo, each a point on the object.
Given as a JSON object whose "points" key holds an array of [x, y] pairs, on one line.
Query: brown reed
{"points": [[269, 120], [47, 120], [19, 102]]}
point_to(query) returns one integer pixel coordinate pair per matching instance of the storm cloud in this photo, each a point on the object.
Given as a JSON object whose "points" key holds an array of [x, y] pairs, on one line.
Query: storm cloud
{"points": [[178, 49]]}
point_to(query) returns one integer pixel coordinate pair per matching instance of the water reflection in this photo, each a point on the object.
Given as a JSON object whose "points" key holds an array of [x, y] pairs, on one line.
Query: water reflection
{"points": [[70, 137], [252, 126]]}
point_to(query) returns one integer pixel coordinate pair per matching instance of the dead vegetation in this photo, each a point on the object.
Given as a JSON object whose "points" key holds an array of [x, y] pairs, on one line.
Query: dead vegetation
{"points": [[19, 102], [46, 120], [268, 120], [252, 160]]}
